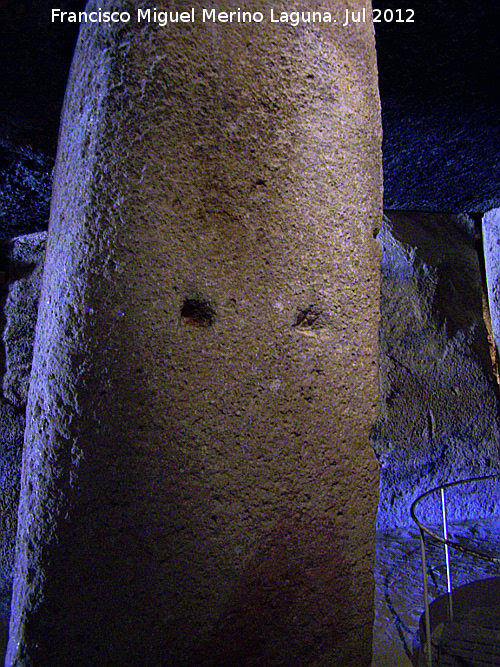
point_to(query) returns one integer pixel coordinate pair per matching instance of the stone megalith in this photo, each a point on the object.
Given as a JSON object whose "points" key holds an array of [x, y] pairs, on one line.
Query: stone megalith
{"points": [[198, 486]]}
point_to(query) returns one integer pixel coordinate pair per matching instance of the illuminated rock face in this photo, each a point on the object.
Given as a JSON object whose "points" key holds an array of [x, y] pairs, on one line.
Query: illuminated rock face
{"points": [[439, 418], [198, 487]]}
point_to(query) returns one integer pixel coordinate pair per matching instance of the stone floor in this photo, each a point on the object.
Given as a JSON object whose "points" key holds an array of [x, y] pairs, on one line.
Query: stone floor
{"points": [[399, 599]]}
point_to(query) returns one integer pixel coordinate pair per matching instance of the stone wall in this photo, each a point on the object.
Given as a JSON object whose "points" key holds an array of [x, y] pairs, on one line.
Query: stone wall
{"points": [[439, 419], [21, 266], [198, 486], [438, 84]]}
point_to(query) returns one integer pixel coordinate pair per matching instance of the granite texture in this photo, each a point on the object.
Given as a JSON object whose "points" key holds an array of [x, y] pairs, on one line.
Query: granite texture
{"points": [[440, 101], [21, 266], [439, 418], [198, 485]]}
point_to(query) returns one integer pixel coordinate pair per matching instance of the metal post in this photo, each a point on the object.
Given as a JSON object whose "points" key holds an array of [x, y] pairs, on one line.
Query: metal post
{"points": [[447, 554], [426, 601]]}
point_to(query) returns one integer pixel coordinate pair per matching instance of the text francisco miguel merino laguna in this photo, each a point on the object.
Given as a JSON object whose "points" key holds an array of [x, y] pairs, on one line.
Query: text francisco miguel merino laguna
{"points": [[205, 15]]}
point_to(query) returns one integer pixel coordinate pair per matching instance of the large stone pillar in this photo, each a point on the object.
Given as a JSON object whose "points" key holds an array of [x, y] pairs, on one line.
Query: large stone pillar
{"points": [[198, 486]]}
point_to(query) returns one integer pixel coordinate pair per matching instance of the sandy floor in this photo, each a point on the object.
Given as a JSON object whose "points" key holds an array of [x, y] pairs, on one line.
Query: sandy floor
{"points": [[399, 599]]}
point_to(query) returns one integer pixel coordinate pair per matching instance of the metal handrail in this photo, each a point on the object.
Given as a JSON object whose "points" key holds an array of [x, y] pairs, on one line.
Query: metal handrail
{"points": [[454, 545], [447, 543]]}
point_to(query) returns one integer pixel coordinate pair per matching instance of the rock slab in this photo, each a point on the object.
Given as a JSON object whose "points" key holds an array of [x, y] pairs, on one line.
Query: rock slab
{"points": [[439, 419]]}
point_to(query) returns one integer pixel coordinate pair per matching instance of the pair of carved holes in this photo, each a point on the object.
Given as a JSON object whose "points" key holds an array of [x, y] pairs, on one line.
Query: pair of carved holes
{"points": [[199, 313]]}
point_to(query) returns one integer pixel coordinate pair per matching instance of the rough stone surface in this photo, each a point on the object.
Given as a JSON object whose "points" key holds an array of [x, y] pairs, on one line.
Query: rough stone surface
{"points": [[439, 418], [491, 245], [440, 101], [9, 500], [21, 265], [26, 261], [198, 486], [35, 54]]}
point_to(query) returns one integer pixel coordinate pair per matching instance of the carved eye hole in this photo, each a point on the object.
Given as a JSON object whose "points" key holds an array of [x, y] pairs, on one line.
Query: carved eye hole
{"points": [[307, 317], [197, 313]]}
